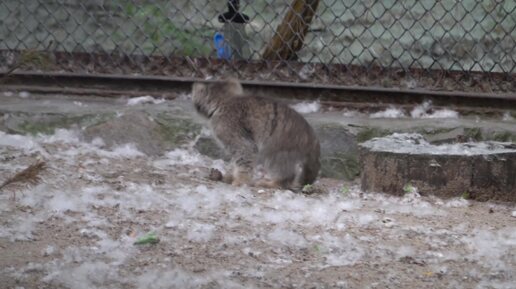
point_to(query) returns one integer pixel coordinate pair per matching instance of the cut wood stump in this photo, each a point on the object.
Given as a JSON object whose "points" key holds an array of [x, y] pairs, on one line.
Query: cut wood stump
{"points": [[481, 171]]}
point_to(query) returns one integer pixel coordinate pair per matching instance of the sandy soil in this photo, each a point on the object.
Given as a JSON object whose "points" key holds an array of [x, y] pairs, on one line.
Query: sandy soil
{"points": [[77, 228]]}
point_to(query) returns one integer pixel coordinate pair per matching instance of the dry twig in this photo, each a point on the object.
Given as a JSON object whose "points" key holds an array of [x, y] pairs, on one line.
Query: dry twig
{"points": [[30, 176]]}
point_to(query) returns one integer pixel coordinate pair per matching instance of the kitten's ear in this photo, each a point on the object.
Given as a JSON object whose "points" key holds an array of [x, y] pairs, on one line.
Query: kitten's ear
{"points": [[234, 86]]}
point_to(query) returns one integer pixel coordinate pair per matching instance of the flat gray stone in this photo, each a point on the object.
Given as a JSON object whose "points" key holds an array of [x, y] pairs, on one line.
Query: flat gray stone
{"points": [[150, 136]]}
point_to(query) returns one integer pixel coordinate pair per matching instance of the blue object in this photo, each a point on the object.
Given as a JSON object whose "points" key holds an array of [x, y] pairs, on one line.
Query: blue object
{"points": [[222, 47]]}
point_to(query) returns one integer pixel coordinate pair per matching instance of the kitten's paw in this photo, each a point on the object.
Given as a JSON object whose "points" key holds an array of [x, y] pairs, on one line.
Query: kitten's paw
{"points": [[266, 183], [242, 180], [236, 183], [215, 175]]}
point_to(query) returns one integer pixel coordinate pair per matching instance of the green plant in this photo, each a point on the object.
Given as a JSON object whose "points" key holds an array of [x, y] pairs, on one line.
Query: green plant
{"points": [[320, 248], [344, 190], [409, 188], [473, 134], [149, 238], [159, 30], [28, 58], [504, 136], [369, 133], [307, 187]]}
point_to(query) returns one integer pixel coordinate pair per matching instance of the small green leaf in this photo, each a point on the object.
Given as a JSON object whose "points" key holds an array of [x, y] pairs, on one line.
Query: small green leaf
{"points": [[344, 190], [307, 188], [408, 188], [150, 238]]}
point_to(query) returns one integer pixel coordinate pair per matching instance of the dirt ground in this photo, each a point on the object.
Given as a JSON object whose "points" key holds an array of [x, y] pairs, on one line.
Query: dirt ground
{"points": [[77, 228]]}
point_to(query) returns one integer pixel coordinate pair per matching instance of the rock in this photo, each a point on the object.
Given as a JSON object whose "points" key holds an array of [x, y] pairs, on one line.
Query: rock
{"points": [[134, 127], [149, 136], [368, 133], [3, 118], [177, 130], [208, 146], [438, 136], [47, 123], [339, 151], [340, 166], [482, 171]]}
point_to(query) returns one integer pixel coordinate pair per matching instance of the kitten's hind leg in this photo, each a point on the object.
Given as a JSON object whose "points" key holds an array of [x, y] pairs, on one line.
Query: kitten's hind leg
{"points": [[299, 179]]}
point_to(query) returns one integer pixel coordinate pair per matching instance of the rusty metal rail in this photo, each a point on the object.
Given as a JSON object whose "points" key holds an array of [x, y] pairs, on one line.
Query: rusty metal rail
{"points": [[169, 87]]}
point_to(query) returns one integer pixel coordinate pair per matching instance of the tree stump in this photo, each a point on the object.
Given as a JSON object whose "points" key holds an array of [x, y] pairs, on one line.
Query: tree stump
{"points": [[290, 34], [481, 171]]}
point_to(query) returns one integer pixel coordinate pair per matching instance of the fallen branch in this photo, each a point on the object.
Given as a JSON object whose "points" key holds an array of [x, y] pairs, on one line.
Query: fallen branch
{"points": [[30, 176]]}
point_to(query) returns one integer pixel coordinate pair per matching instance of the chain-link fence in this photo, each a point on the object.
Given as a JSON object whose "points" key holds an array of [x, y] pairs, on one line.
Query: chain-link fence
{"points": [[466, 45]]}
